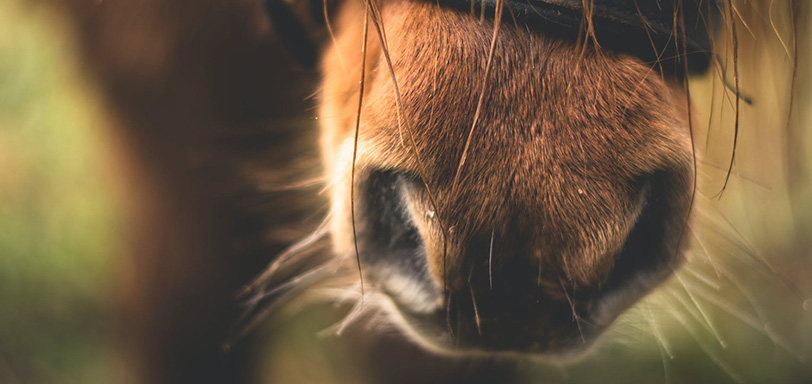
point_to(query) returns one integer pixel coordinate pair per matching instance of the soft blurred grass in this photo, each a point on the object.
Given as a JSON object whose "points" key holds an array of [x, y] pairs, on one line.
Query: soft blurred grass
{"points": [[742, 322], [57, 223]]}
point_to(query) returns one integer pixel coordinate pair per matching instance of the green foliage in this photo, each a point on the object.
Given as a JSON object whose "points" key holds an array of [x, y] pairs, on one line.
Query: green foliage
{"points": [[57, 224]]}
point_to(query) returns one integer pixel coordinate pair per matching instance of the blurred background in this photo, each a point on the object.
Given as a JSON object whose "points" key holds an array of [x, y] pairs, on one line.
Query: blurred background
{"points": [[58, 217], [92, 290]]}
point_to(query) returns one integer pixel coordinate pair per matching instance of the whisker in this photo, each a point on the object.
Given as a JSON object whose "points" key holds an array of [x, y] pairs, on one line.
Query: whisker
{"points": [[702, 278], [476, 310], [655, 329], [332, 34], [480, 103], [749, 250], [651, 41], [538, 278], [342, 176], [339, 295], [288, 254], [663, 360], [705, 348], [277, 296], [761, 327], [702, 318], [738, 174], [354, 314], [490, 260], [777, 33], [680, 15], [361, 85], [292, 283], [706, 253], [729, 89], [731, 277], [574, 313], [448, 313], [743, 21], [303, 184], [735, 47], [377, 20]]}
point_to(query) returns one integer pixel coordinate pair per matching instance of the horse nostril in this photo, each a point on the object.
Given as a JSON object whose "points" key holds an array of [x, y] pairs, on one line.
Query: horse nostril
{"points": [[391, 248], [385, 225]]}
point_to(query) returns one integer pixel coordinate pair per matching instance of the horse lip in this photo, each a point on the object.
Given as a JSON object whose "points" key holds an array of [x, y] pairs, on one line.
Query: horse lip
{"points": [[434, 331]]}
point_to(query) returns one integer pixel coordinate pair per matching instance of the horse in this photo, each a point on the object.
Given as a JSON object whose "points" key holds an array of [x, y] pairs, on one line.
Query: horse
{"points": [[504, 179]]}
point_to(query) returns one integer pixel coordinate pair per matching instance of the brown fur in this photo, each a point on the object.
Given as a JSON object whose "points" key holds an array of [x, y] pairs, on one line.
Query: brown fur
{"points": [[562, 157]]}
